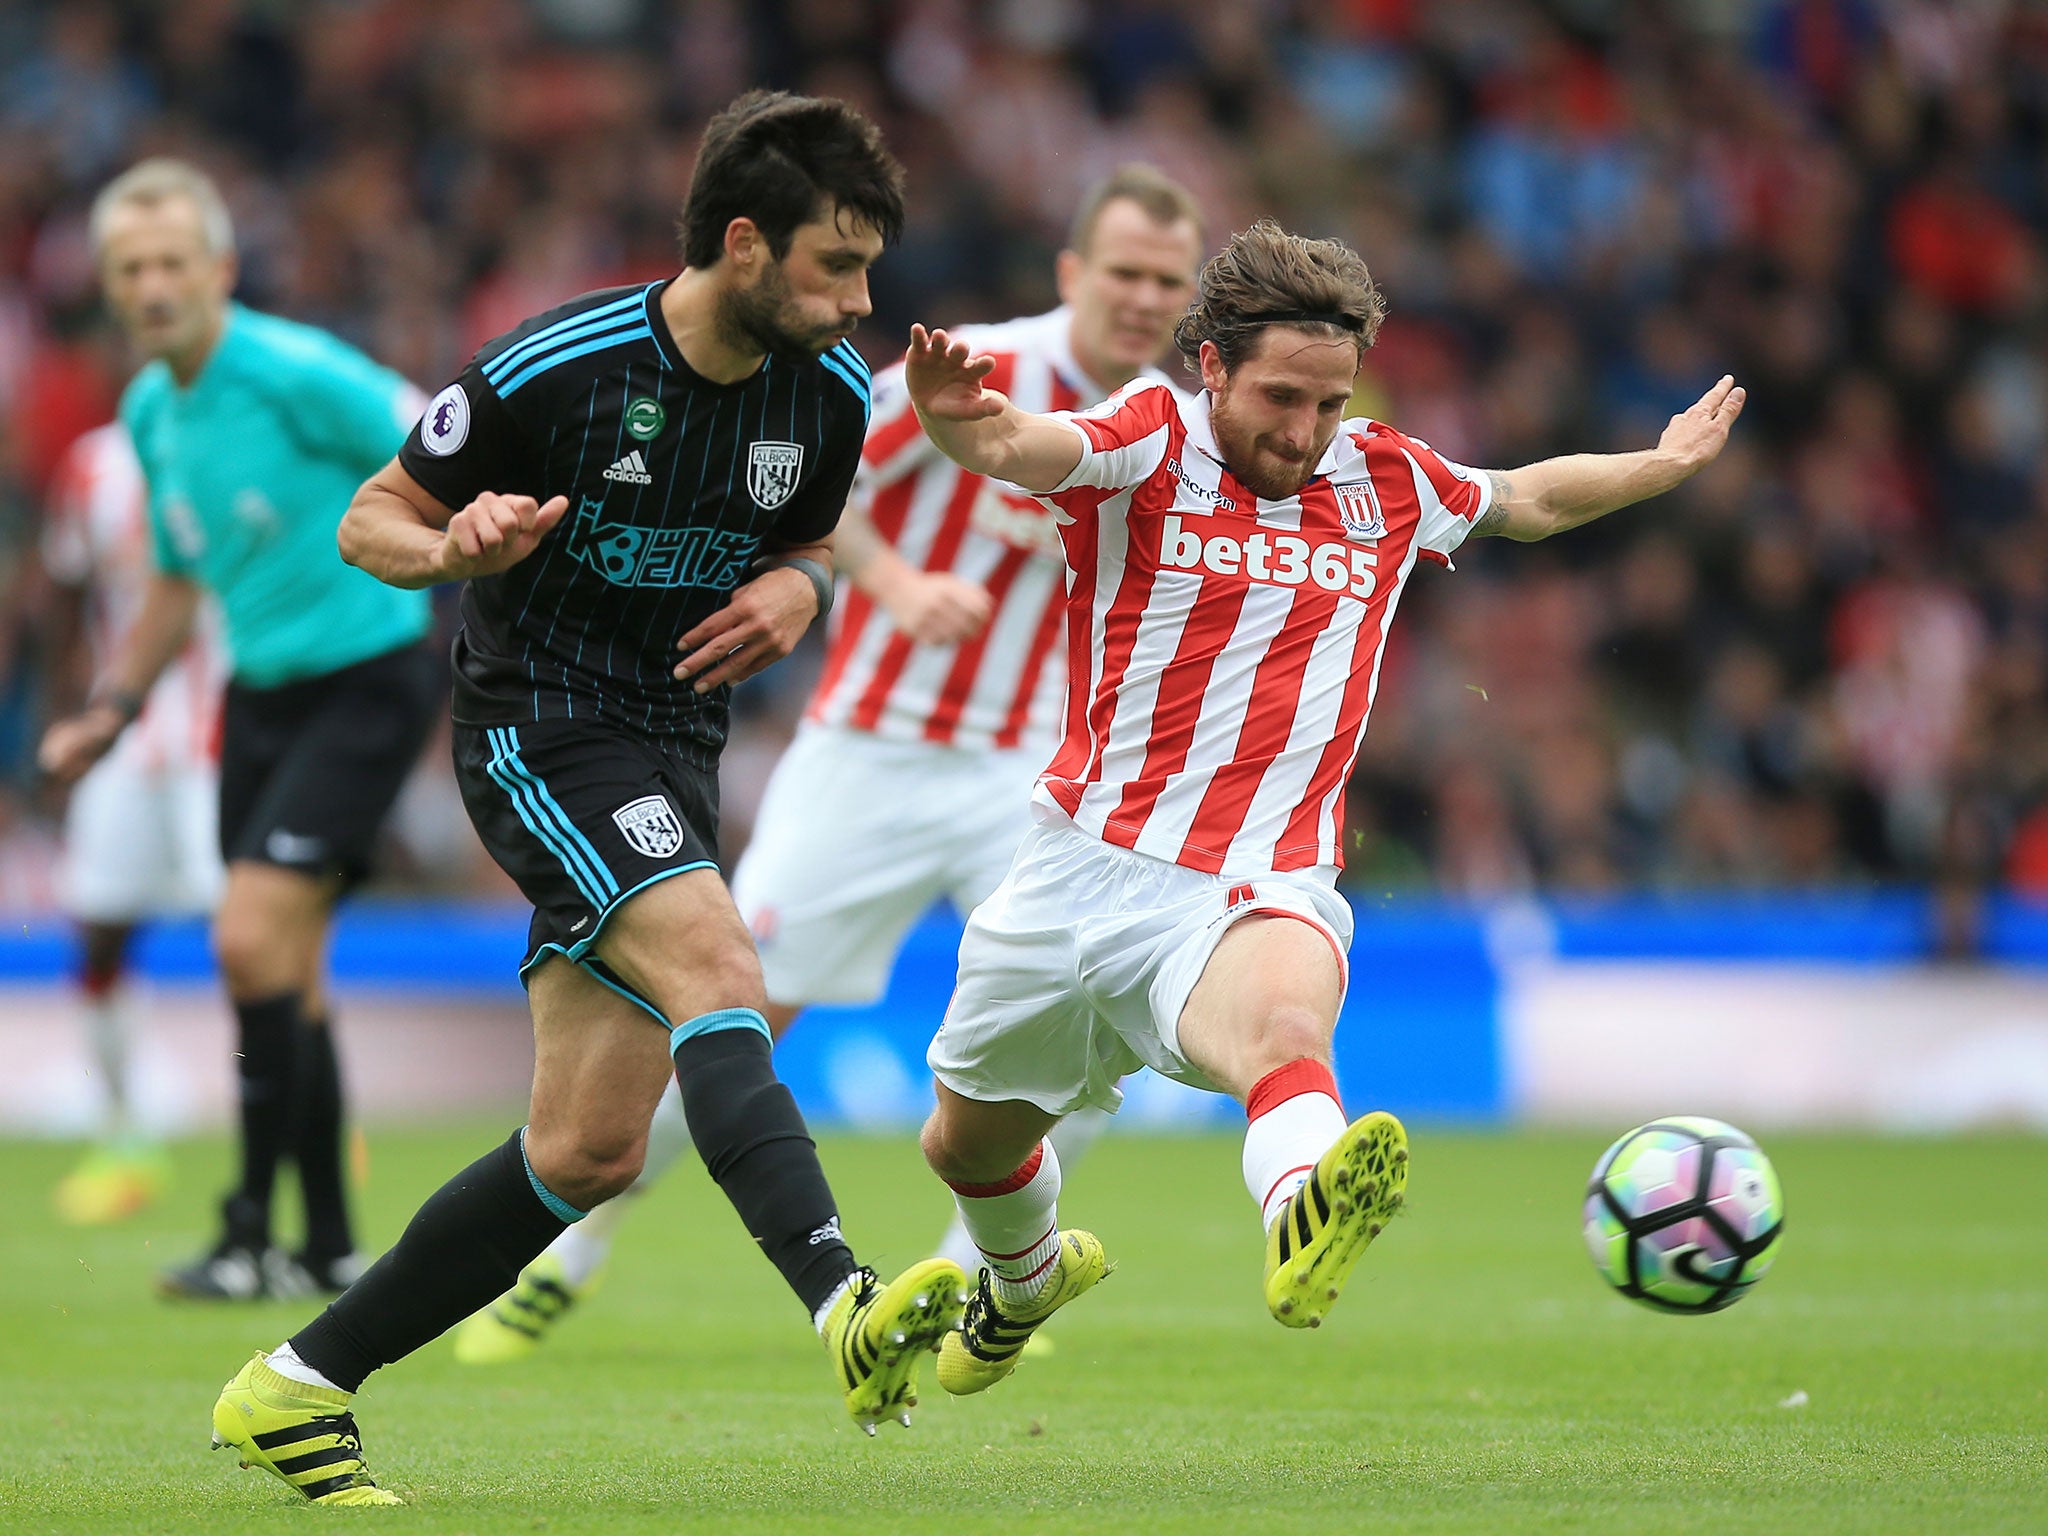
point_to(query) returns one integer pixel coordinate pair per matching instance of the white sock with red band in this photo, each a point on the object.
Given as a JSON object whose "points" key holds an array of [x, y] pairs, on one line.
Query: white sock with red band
{"points": [[1015, 1225], [1295, 1118]]}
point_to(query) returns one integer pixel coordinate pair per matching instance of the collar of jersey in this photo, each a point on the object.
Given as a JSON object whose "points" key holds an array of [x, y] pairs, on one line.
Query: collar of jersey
{"points": [[672, 355]]}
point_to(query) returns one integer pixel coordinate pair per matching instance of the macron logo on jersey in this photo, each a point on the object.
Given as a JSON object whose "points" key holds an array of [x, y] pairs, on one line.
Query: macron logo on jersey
{"points": [[632, 470]]}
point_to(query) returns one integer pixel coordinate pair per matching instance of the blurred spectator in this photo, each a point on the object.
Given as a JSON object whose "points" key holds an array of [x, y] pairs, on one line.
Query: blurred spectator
{"points": [[1822, 661]]}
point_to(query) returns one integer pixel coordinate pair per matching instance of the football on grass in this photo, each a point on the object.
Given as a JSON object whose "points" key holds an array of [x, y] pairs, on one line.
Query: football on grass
{"points": [[1684, 1214]]}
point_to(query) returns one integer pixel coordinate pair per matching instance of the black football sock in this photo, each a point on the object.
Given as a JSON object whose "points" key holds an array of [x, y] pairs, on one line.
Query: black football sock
{"points": [[462, 1251], [754, 1143], [318, 1126], [267, 1044]]}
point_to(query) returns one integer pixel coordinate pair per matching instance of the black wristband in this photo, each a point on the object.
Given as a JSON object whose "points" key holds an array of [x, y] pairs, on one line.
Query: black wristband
{"points": [[820, 578]]}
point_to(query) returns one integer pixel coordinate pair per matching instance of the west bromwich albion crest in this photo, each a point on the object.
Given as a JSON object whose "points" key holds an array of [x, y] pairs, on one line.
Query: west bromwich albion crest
{"points": [[650, 826], [1359, 505], [772, 472]]}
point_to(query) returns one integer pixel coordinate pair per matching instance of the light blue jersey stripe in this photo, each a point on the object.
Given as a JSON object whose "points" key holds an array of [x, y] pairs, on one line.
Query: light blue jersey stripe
{"points": [[503, 771], [846, 350], [852, 381], [563, 825], [526, 375], [560, 333]]}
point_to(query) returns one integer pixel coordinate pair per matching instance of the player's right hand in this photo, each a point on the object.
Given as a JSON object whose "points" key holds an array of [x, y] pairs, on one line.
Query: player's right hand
{"points": [[943, 378], [75, 743], [494, 533], [939, 608]]}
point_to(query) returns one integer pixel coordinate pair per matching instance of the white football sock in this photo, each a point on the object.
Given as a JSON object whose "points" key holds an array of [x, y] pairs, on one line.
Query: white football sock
{"points": [[1071, 1138], [1015, 1225], [1295, 1119], [584, 1245], [109, 1021], [286, 1362]]}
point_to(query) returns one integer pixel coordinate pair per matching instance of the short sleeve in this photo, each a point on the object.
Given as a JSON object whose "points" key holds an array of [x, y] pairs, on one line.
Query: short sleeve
{"points": [[466, 442], [1123, 440], [1451, 496], [813, 512], [173, 536], [352, 409]]}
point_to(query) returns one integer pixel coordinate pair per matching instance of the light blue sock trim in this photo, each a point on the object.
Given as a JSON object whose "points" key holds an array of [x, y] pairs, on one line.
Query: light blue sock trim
{"points": [[718, 1018], [548, 1197]]}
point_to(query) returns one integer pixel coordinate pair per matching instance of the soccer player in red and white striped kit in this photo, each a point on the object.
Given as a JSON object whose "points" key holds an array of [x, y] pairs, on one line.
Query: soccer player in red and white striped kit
{"points": [[941, 697], [1236, 562]]}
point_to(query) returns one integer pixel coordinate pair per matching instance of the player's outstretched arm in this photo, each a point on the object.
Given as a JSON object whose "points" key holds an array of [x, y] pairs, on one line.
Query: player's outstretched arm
{"points": [[976, 427], [161, 628], [398, 531], [1545, 498]]}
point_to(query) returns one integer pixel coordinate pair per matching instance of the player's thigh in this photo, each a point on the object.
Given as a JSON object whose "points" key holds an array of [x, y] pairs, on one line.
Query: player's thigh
{"points": [[848, 851], [600, 1063], [591, 822], [270, 929], [680, 945], [1268, 993]]}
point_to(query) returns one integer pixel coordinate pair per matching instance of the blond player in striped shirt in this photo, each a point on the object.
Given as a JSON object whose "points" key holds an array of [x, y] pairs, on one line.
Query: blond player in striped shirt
{"points": [[941, 697], [1236, 564]]}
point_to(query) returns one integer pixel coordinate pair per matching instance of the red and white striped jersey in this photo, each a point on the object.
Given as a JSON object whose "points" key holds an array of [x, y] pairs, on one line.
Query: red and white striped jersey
{"points": [[1224, 650], [96, 539], [1002, 688]]}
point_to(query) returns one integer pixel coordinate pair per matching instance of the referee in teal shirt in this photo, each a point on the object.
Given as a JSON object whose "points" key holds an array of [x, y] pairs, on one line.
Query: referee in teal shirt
{"points": [[253, 434]]}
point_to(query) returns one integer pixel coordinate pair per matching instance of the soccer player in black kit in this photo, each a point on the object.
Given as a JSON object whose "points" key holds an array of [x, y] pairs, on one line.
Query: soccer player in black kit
{"points": [[639, 488]]}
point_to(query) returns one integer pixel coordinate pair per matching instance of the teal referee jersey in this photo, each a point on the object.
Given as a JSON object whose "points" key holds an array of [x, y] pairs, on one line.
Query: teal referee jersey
{"points": [[250, 469]]}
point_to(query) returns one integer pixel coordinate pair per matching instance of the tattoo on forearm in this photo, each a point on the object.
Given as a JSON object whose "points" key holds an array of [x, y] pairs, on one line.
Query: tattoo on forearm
{"points": [[1495, 518]]}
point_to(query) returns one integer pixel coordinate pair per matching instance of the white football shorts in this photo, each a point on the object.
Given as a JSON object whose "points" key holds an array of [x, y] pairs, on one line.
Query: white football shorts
{"points": [[141, 843], [857, 836], [1074, 973]]}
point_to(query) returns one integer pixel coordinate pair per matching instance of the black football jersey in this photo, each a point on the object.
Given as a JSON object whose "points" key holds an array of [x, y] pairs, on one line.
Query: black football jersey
{"points": [[676, 486]]}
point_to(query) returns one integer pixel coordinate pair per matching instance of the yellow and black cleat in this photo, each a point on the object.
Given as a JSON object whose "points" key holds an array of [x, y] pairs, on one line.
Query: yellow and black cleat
{"points": [[302, 1434], [876, 1335], [513, 1326], [995, 1333], [1321, 1233]]}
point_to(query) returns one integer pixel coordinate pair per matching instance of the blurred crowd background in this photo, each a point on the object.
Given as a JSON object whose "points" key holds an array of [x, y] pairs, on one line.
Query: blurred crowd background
{"points": [[1823, 662]]}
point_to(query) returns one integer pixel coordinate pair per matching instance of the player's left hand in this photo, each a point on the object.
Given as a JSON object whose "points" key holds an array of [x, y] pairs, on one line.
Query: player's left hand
{"points": [[1696, 436], [760, 626]]}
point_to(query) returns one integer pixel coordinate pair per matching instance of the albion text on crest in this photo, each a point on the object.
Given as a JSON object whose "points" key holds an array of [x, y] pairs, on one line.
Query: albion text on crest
{"points": [[651, 826], [772, 472]]}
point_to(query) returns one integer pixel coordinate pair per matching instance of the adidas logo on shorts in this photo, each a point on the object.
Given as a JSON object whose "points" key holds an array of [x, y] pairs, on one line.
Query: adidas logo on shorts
{"points": [[632, 469]]}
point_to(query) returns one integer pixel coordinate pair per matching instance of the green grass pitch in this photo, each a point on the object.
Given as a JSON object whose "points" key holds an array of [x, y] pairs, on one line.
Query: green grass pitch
{"points": [[1475, 1378]]}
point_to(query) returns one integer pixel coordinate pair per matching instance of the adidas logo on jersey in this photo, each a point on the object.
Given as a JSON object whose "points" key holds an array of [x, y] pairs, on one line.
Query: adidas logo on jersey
{"points": [[632, 469]]}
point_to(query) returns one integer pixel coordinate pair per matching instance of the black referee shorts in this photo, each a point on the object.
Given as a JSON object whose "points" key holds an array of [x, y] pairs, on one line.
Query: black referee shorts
{"points": [[583, 815], [309, 770]]}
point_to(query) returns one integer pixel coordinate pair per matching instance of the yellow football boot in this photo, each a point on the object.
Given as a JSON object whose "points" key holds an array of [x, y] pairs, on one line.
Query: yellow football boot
{"points": [[111, 1184], [876, 1335], [305, 1435], [512, 1327], [995, 1333], [1320, 1234]]}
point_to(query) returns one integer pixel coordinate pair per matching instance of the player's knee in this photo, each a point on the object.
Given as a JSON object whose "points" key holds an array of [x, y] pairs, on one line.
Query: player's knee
{"points": [[1287, 1034], [245, 951], [586, 1169], [956, 1154]]}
